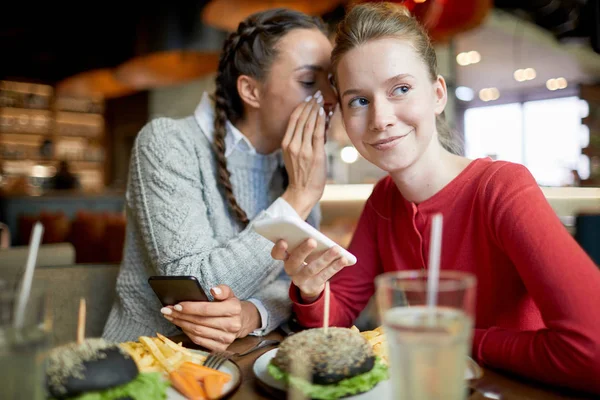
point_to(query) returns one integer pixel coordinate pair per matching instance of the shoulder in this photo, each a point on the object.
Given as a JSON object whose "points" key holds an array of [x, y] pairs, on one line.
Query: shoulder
{"points": [[505, 176], [164, 134]]}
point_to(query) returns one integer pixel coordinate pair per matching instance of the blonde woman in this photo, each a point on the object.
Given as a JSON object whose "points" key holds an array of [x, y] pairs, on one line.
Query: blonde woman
{"points": [[538, 292]]}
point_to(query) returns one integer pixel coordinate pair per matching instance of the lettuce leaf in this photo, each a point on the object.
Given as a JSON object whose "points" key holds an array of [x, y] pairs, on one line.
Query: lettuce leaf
{"points": [[146, 386], [357, 384]]}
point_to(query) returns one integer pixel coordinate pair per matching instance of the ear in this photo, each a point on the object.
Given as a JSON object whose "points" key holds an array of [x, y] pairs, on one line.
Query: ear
{"points": [[249, 91], [441, 94]]}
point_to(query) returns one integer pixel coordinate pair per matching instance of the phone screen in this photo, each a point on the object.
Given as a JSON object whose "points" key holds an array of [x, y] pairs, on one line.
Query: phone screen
{"points": [[172, 290]]}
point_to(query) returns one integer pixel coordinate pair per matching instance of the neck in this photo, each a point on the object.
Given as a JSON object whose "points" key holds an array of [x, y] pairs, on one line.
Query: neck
{"points": [[429, 174], [251, 127]]}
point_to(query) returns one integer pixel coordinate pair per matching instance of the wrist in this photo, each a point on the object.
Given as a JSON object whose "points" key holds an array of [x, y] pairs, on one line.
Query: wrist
{"points": [[308, 298], [302, 202], [250, 319]]}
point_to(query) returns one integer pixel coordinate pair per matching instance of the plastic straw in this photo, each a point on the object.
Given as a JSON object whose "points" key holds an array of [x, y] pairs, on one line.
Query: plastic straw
{"points": [[25, 291], [433, 277], [326, 308]]}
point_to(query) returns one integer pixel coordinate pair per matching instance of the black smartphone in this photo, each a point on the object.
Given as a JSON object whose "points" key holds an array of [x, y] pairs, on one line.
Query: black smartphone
{"points": [[172, 290]]}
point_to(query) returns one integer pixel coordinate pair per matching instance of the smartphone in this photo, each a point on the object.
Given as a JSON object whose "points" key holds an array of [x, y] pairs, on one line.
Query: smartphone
{"points": [[172, 290], [295, 231]]}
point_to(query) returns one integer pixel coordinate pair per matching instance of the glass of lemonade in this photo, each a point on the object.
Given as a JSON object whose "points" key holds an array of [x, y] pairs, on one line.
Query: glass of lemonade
{"points": [[428, 346], [23, 351]]}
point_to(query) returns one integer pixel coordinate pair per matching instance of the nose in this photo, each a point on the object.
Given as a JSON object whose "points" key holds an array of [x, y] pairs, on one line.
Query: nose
{"points": [[382, 115]]}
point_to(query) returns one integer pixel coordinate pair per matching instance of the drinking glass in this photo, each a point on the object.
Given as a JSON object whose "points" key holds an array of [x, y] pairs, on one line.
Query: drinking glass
{"points": [[23, 349], [428, 346]]}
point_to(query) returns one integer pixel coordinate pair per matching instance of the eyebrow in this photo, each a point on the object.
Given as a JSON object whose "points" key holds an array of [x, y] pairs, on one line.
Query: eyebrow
{"points": [[312, 67], [387, 82]]}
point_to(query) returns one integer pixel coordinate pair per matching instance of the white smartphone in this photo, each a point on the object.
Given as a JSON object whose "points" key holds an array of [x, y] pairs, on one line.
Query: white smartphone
{"points": [[295, 231]]}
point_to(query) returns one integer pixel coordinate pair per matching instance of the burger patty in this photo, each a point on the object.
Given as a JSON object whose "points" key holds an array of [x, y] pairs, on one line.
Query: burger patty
{"points": [[331, 357]]}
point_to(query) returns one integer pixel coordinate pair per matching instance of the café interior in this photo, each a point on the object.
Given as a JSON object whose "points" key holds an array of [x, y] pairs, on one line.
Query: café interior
{"points": [[79, 81]]}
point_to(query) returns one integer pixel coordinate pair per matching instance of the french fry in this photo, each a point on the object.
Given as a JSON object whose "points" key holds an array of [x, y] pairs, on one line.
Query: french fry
{"points": [[155, 351], [173, 345]]}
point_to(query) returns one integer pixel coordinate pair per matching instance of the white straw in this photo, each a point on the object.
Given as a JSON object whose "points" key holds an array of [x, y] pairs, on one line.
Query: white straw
{"points": [[435, 250], [326, 308], [34, 245]]}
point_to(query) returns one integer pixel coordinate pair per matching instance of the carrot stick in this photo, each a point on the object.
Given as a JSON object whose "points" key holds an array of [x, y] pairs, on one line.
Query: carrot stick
{"points": [[187, 385], [213, 386], [200, 371]]}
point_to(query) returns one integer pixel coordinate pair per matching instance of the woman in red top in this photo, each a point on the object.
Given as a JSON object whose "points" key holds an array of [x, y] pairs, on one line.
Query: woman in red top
{"points": [[538, 295]]}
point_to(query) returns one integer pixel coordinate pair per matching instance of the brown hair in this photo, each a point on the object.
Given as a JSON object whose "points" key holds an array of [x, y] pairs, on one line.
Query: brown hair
{"points": [[248, 51], [370, 21]]}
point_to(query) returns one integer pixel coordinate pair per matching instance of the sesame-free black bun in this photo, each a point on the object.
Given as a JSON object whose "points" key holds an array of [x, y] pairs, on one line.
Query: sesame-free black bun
{"points": [[338, 354], [91, 366]]}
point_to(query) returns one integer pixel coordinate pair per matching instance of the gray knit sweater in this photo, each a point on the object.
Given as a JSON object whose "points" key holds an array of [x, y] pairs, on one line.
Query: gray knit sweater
{"points": [[178, 223]]}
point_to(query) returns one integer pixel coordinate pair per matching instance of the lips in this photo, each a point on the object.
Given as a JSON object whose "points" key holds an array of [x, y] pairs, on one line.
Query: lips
{"points": [[388, 143]]}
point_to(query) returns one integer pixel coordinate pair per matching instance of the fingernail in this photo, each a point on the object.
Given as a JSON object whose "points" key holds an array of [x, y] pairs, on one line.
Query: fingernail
{"points": [[308, 99], [166, 311], [317, 94], [320, 99], [178, 307], [216, 290], [321, 111], [330, 113], [168, 318]]}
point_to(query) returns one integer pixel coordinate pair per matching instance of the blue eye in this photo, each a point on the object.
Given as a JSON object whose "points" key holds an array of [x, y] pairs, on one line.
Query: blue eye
{"points": [[358, 102], [400, 90]]}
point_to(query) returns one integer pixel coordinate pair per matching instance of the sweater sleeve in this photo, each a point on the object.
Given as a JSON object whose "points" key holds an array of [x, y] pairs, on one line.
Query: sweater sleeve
{"points": [[353, 286], [562, 280], [166, 198]]}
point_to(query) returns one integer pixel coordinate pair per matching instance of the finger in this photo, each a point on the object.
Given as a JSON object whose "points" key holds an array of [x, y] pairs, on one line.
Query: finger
{"points": [[226, 308], [225, 324], [209, 344], [279, 251], [291, 128], [222, 292], [318, 137], [315, 267], [296, 260], [331, 270], [309, 127], [296, 141], [206, 332]]}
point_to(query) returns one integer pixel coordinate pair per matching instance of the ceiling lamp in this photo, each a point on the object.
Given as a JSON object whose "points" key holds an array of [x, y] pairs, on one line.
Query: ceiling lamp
{"points": [[95, 83], [166, 68], [227, 14]]}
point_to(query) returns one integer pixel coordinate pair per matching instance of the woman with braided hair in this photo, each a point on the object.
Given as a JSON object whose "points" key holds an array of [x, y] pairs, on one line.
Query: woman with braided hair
{"points": [[252, 150]]}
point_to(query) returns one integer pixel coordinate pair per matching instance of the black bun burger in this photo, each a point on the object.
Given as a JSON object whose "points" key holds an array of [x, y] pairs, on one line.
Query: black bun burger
{"points": [[338, 363], [96, 366]]}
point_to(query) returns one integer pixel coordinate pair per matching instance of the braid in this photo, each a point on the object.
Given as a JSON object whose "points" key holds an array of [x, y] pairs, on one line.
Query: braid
{"points": [[221, 107], [248, 51]]}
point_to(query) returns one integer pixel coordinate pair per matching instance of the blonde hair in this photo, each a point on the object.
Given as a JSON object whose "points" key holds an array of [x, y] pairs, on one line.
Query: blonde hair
{"points": [[371, 21]]}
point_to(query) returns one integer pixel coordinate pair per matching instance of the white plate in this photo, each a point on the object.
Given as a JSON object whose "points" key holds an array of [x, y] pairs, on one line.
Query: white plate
{"points": [[228, 367], [381, 391]]}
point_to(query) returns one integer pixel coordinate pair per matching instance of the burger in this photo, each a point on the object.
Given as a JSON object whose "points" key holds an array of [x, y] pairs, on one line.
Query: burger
{"points": [[96, 369], [328, 364]]}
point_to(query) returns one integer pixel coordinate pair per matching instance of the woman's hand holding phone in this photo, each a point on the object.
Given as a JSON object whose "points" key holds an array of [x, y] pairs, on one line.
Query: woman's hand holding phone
{"points": [[215, 325], [309, 273], [304, 155]]}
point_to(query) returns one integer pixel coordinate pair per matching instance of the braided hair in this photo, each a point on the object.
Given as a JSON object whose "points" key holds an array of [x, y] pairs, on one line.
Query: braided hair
{"points": [[248, 51]]}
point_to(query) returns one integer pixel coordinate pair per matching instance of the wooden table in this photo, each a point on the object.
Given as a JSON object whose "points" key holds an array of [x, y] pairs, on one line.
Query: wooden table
{"points": [[509, 387]]}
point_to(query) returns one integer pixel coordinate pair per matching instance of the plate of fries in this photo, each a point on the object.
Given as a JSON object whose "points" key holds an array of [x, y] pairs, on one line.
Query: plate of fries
{"points": [[183, 368]]}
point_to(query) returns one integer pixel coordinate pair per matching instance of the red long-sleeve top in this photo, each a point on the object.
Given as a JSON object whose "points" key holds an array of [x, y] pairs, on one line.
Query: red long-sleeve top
{"points": [[538, 293]]}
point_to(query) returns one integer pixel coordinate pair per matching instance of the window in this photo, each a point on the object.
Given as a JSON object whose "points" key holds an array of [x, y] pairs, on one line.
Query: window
{"points": [[546, 136]]}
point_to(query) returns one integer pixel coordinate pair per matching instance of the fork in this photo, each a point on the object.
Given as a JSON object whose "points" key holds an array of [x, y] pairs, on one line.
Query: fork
{"points": [[217, 358]]}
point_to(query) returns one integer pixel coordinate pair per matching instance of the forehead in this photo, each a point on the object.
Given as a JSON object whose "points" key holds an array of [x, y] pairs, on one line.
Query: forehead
{"points": [[301, 47], [377, 60]]}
